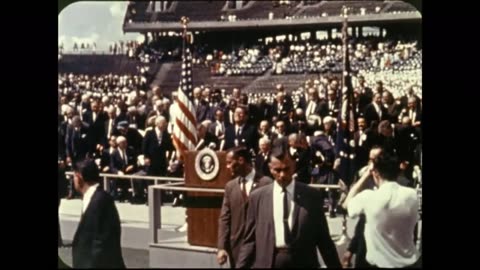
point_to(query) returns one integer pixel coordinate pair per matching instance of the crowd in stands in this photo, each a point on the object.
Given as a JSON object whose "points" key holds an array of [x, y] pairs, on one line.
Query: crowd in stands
{"points": [[319, 57], [228, 11], [126, 126]]}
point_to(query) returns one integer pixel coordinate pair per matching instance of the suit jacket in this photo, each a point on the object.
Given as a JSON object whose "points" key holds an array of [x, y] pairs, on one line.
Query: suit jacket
{"points": [[331, 112], [114, 131], [261, 165], [231, 223], [157, 152], [96, 243], [207, 140], [248, 137], [76, 143], [118, 164], [393, 111], [227, 114], [320, 108], [406, 112], [202, 111], [265, 112], [372, 115], [96, 130], [309, 230], [138, 120], [285, 109], [365, 98]]}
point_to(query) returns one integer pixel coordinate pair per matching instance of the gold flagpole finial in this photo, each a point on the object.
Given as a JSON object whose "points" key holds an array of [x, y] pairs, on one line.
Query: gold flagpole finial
{"points": [[345, 11], [184, 20]]}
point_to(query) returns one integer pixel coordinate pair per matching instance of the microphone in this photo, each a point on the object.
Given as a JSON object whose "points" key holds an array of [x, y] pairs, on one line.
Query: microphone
{"points": [[212, 145]]}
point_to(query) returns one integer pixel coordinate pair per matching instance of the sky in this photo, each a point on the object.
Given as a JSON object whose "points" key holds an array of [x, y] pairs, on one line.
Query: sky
{"points": [[88, 22]]}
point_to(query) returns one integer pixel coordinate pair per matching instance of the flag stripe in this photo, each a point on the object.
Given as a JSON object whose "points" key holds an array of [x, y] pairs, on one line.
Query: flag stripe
{"points": [[185, 124]]}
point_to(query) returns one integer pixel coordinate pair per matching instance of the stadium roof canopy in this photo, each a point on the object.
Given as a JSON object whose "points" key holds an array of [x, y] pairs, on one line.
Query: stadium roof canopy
{"points": [[221, 16]]}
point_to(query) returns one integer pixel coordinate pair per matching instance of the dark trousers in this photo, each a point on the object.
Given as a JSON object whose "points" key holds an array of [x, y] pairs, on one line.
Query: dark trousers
{"points": [[283, 259]]}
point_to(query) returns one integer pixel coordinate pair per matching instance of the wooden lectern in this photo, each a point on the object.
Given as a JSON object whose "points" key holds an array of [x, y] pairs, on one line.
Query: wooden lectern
{"points": [[203, 209]]}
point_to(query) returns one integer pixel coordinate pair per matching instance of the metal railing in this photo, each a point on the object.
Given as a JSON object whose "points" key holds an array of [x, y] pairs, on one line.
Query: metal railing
{"points": [[157, 179], [154, 201]]}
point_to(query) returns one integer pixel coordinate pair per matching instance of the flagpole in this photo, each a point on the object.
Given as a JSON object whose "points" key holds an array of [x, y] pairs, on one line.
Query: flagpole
{"points": [[344, 125]]}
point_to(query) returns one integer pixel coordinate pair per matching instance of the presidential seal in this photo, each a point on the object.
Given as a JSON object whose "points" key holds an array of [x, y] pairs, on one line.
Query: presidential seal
{"points": [[207, 165]]}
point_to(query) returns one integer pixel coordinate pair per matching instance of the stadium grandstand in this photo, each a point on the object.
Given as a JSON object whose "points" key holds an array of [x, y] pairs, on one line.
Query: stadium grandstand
{"points": [[281, 60]]}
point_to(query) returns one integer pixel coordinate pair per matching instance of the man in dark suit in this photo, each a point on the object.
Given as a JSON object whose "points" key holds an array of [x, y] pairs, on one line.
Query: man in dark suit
{"points": [[156, 143], [216, 104], [365, 94], [253, 116], [264, 110], [76, 149], [375, 110], [132, 135], [122, 161], [332, 104], [280, 106], [230, 112], [285, 222], [241, 134], [111, 125], [62, 191], [205, 138], [202, 107], [96, 243], [263, 157], [231, 223], [95, 118], [218, 127]]}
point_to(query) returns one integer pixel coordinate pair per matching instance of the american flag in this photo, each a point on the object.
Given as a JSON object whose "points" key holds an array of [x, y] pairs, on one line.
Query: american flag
{"points": [[184, 130], [345, 144]]}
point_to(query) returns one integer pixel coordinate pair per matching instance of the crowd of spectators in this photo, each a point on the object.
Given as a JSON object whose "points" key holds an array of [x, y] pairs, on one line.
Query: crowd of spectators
{"points": [[119, 121]]}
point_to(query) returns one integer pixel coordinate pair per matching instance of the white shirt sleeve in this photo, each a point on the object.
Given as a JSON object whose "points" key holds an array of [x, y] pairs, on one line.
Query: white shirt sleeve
{"points": [[357, 204]]}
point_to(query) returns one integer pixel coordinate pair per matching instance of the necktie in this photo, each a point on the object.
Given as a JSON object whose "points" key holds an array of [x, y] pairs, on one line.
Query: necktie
{"points": [[159, 138], [244, 187], [94, 117], [239, 131], [125, 157], [286, 230]]}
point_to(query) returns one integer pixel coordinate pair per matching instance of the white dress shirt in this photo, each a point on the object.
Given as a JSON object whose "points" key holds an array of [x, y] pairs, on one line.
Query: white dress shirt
{"points": [[278, 211], [391, 213], [88, 196], [379, 111], [249, 181], [159, 134]]}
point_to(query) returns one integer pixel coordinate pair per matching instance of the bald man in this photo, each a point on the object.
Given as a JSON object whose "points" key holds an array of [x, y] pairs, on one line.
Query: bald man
{"points": [[122, 161]]}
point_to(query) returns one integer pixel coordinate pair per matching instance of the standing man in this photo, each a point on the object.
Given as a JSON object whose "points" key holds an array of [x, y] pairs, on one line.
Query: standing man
{"points": [[231, 222], [96, 243], [285, 222], [391, 213]]}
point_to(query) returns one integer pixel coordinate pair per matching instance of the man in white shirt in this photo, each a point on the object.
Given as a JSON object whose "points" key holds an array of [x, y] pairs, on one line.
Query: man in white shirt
{"points": [[391, 213], [298, 227]]}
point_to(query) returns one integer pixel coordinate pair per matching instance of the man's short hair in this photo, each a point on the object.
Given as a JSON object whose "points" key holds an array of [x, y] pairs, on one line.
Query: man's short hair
{"points": [[387, 166], [242, 152], [88, 169], [279, 149]]}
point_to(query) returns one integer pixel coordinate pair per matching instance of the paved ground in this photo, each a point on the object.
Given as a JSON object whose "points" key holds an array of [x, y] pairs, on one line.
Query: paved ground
{"points": [[137, 216]]}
